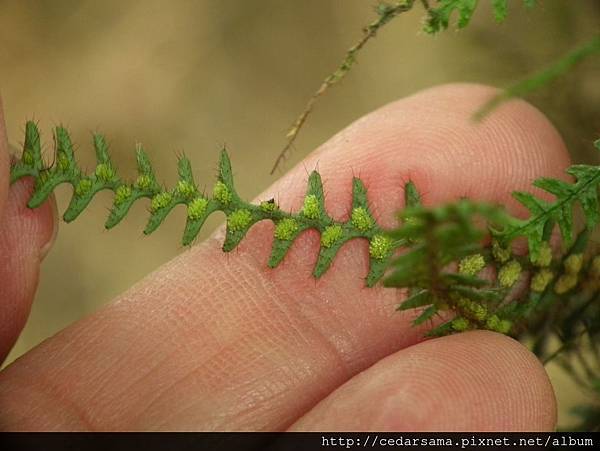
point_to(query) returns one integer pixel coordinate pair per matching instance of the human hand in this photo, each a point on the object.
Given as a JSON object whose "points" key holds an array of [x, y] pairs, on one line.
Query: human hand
{"points": [[217, 342]]}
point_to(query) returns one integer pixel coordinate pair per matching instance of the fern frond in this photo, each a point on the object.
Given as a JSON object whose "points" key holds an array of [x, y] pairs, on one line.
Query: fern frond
{"points": [[439, 16], [437, 237], [445, 252], [544, 215], [241, 215]]}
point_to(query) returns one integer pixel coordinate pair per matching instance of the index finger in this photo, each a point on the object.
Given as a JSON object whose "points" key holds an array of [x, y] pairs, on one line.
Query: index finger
{"points": [[214, 341]]}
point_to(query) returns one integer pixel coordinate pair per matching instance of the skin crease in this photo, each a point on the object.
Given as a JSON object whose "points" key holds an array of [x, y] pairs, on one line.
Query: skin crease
{"points": [[221, 342]]}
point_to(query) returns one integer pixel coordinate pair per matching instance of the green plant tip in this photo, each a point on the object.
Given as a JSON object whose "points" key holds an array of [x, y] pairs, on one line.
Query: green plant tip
{"points": [[565, 283], [104, 172], [122, 194], [540, 280], [269, 206], [380, 247], [144, 182], [471, 265], [544, 257], [83, 187], [311, 207], [185, 189], [509, 273], [239, 220], [573, 263], [331, 235], [500, 254], [286, 229], [460, 324], [160, 201], [197, 208], [222, 193], [361, 219]]}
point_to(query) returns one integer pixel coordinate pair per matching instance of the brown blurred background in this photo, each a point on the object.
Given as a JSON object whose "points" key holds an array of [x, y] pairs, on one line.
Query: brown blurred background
{"points": [[191, 76]]}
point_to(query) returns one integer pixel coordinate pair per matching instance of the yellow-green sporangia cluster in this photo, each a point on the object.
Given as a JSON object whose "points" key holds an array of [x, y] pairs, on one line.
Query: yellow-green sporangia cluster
{"points": [[475, 314], [443, 268], [567, 281], [223, 197], [445, 254]]}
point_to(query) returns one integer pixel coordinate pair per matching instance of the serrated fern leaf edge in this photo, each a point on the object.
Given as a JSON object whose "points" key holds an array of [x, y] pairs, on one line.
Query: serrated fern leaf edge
{"points": [[241, 215]]}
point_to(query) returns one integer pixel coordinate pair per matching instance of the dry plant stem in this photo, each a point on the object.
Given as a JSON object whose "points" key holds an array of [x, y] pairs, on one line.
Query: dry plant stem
{"points": [[386, 14]]}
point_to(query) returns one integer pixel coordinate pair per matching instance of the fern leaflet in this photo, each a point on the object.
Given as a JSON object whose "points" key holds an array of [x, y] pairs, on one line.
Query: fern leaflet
{"points": [[545, 214]]}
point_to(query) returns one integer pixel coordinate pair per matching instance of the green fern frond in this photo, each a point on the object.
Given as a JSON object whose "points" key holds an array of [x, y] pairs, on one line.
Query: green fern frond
{"points": [[439, 16], [445, 251], [241, 215], [544, 215], [437, 237]]}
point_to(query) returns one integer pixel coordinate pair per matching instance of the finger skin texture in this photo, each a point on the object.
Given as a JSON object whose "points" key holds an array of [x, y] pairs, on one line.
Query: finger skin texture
{"points": [[215, 341], [25, 236], [476, 381]]}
